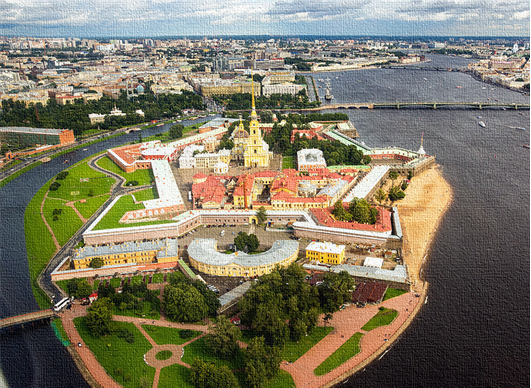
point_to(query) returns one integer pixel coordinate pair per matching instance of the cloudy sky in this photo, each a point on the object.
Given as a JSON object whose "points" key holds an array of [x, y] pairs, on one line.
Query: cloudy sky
{"points": [[144, 18]]}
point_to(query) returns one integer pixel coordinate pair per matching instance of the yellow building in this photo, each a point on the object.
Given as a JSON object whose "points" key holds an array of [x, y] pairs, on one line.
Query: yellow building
{"points": [[325, 252], [204, 256], [155, 251]]}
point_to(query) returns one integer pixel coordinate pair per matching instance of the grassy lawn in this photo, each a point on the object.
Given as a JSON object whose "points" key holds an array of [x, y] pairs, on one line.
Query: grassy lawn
{"points": [[39, 244], [115, 282], [112, 218], [72, 188], [292, 350], [288, 162], [68, 222], [136, 279], [392, 292], [158, 278], [96, 284], [283, 380], [116, 355], [143, 177], [200, 349], [88, 208], [146, 195], [167, 335], [175, 376], [383, 318], [163, 355], [60, 332], [148, 311], [344, 353]]}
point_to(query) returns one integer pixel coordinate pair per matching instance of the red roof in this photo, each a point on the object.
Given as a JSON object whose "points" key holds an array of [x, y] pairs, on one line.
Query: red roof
{"points": [[383, 220]]}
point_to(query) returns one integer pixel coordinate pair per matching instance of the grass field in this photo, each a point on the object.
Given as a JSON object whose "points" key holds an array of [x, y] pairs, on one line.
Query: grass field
{"points": [[143, 177], [344, 353], [392, 292], [175, 376], [149, 310], [88, 208], [73, 188], [167, 335], [382, 318], [288, 162], [115, 282], [283, 380], [68, 222], [39, 244], [136, 279], [121, 360], [292, 350], [200, 349], [158, 278], [146, 195]]}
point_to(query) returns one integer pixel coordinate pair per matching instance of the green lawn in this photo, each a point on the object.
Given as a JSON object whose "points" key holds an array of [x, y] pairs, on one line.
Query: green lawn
{"points": [[112, 218], [293, 351], [146, 195], [167, 335], [283, 380], [68, 222], [383, 318], [143, 177], [163, 355], [175, 376], [392, 292], [116, 355], [148, 311], [39, 244], [200, 349], [158, 278], [73, 188], [136, 279], [344, 353], [96, 284], [115, 282], [288, 162], [88, 208], [57, 327]]}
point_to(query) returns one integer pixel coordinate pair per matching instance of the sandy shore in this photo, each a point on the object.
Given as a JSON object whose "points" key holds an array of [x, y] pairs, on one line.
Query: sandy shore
{"points": [[427, 198]]}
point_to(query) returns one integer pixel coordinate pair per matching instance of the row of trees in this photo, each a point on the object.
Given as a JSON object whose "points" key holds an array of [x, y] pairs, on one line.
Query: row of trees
{"points": [[242, 101], [243, 241], [359, 210]]}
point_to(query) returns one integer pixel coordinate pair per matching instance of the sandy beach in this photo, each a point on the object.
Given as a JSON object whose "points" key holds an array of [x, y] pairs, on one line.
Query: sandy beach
{"points": [[427, 198]]}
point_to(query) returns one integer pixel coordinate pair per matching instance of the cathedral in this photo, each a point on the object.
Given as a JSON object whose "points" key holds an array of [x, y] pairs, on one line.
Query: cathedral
{"points": [[250, 147]]}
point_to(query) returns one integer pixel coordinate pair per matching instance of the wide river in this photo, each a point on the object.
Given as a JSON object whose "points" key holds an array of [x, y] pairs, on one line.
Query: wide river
{"points": [[474, 329]]}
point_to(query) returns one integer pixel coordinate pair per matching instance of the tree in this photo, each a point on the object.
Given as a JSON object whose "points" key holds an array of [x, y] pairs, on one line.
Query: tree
{"points": [[83, 289], [261, 362], [266, 116], [184, 303], [240, 241], [261, 215], [99, 316], [96, 262], [395, 193], [224, 337], [366, 159], [335, 290], [380, 195], [252, 243], [176, 131], [204, 374], [393, 175], [340, 213]]}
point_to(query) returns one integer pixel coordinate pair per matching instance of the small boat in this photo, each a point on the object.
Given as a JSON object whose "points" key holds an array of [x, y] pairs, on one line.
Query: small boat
{"points": [[483, 88], [526, 146], [66, 161], [520, 128], [458, 87], [425, 79], [481, 124], [479, 117]]}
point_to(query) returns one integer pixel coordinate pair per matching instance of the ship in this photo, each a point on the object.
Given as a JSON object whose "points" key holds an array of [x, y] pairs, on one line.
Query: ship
{"points": [[481, 124], [525, 145], [328, 95]]}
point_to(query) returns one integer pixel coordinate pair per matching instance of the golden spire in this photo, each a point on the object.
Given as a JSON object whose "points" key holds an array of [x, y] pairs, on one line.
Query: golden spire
{"points": [[253, 113]]}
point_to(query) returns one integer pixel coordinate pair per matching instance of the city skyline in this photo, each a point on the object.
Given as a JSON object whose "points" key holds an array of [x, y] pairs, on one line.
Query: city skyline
{"points": [[156, 18]]}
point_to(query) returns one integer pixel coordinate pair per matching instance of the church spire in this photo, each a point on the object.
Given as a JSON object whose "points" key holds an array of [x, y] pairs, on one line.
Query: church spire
{"points": [[253, 113]]}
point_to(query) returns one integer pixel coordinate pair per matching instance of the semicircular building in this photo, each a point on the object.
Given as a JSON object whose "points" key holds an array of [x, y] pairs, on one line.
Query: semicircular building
{"points": [[204, 256]]}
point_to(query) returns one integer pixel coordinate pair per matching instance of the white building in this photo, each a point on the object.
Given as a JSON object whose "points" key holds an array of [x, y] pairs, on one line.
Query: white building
{"points": [[309, 159]]}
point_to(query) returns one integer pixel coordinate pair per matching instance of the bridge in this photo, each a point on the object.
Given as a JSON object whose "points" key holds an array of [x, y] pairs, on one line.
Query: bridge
{"points": [[426, 104], [20, 320], [424, 68]]}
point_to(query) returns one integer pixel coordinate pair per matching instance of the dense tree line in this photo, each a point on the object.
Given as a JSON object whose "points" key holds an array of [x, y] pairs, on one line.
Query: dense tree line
{"points": [[359, 210], [242, 101], [75, 116]]}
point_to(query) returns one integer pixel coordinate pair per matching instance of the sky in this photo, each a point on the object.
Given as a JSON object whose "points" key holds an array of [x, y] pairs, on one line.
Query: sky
{"points": [[153, 18]]}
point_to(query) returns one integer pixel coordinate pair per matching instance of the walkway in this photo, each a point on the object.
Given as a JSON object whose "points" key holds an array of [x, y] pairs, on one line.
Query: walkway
{"points": [[56, 243]]}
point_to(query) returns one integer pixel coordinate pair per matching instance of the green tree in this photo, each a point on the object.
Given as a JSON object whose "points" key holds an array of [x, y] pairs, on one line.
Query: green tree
{"points": [[261, 362], [366, 160], [335, 290], [252, 243], [380, 195], [176, 131], [240, 241], [266, 116], [393, 175], [99, 316], [340, 212], [395, 193], [261, 215], [83, 289], [96, 262], [184, 303], [204, 374], [224, 337]]}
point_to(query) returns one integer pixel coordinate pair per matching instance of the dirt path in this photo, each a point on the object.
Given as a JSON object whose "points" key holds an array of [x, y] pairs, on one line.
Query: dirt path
{"points": [[71, 204], [57, 246]]}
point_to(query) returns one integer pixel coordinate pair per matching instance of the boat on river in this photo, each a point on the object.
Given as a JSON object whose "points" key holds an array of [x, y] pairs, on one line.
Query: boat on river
{"points": [[481, 124]]}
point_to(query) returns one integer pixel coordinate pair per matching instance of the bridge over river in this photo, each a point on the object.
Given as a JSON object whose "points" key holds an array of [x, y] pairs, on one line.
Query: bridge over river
{"points": [[20, 320], [426, 104]]}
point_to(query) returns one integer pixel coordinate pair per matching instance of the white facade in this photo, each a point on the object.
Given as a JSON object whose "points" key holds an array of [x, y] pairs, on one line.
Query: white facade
{"points": [[310, 158], [268, 90]]}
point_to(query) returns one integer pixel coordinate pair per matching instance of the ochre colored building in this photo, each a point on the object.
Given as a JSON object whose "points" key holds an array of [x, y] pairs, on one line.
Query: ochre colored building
{"points": [[325, 252]]}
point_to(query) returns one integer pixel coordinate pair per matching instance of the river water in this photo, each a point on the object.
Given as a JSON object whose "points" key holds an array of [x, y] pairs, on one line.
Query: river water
{"points": [[474, 330]]}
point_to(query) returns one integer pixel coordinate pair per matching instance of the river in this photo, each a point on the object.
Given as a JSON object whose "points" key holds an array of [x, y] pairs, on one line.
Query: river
{"points": [[474, 330]]}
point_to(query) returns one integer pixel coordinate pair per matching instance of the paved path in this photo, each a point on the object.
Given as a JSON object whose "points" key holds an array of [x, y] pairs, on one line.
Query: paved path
{"points": [[57, 246], [346, 323]]}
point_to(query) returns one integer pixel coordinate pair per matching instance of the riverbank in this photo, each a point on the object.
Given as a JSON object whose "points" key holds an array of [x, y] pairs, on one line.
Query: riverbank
{"points": [[426, 201]]}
